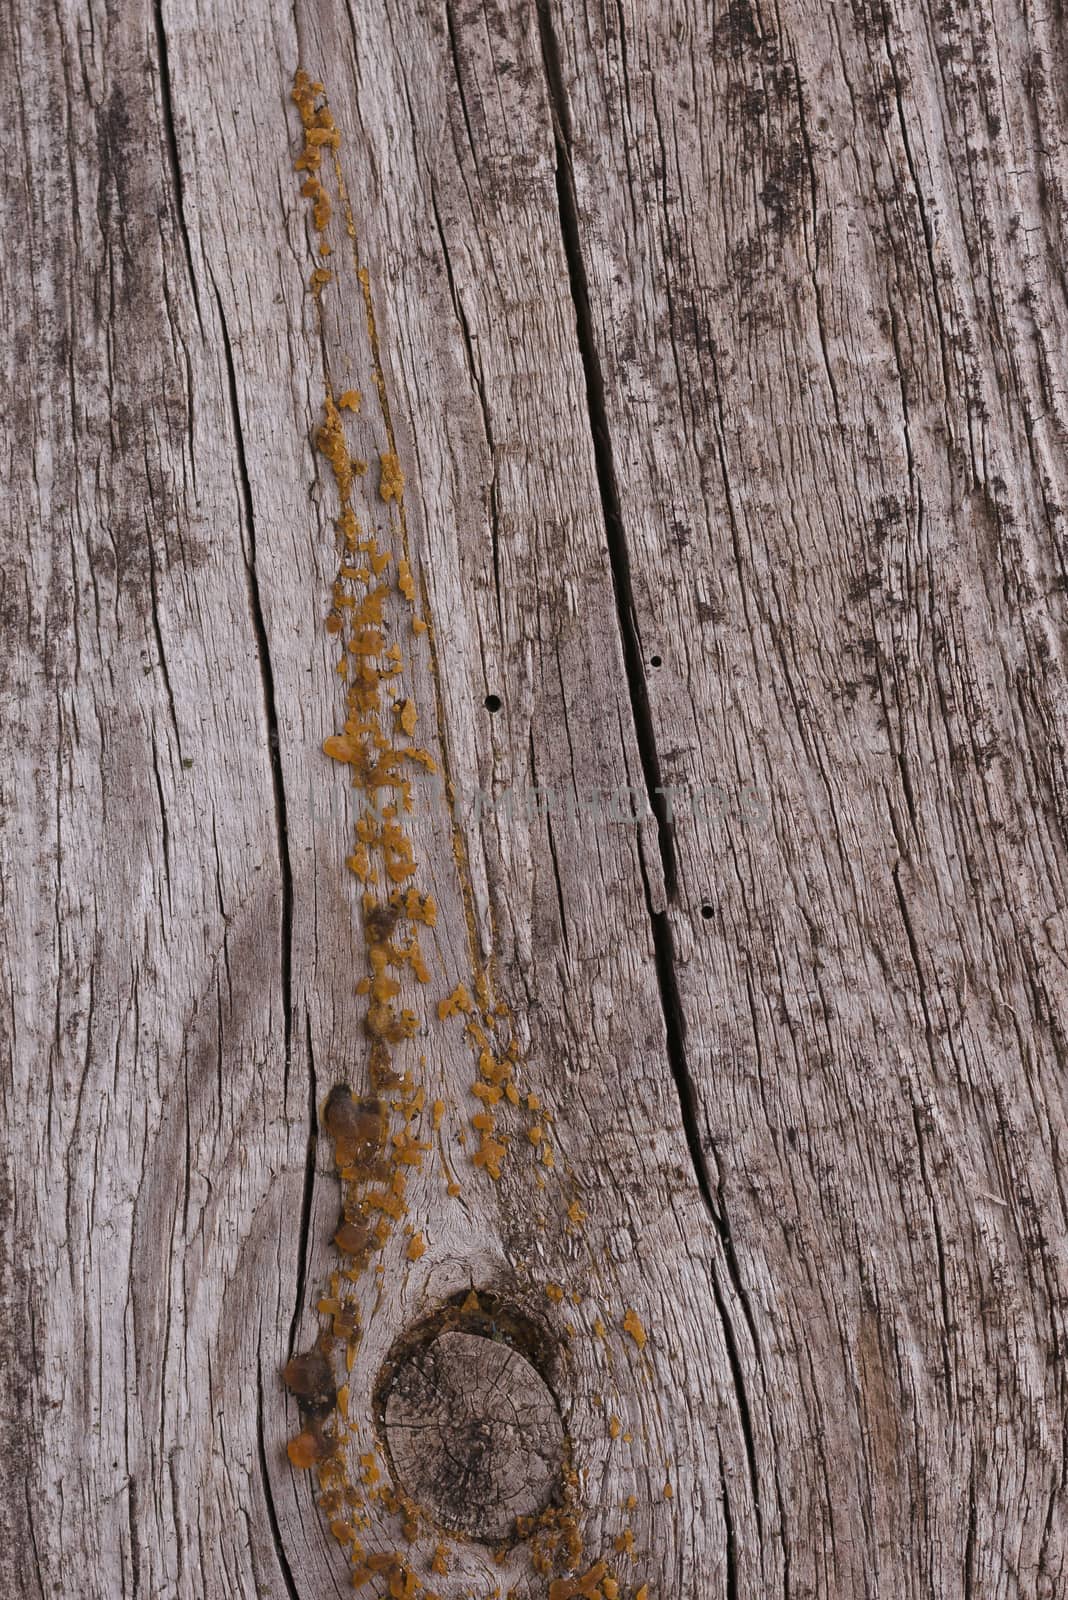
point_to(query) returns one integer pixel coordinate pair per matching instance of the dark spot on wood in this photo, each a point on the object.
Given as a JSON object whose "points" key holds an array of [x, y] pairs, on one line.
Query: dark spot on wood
{"points": [[354, 1239], [493, 702], [358, 1129], [784, 190], [310, 1378], [736, 32], [380, 922]]}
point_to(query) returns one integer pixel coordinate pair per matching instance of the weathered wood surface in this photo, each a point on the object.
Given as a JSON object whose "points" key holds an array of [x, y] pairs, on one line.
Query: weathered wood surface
{"points": [[724, 354]]}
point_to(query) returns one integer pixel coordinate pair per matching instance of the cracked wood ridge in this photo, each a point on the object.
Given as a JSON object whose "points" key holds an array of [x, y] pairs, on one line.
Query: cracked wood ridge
{"points": [[533, 801]]}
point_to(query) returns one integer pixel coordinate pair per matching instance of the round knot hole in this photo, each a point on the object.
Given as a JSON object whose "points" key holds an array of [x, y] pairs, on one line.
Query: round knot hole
{"points": [[474, 1433]]}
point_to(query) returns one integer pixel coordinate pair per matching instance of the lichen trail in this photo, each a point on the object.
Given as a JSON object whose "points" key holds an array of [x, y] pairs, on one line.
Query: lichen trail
{"points": [[383, 1133]]}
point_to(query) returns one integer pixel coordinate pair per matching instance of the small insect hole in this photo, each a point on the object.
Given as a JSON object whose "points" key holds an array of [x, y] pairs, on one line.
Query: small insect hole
{"points": [[493, 702], [655, 661], [706, 912]]}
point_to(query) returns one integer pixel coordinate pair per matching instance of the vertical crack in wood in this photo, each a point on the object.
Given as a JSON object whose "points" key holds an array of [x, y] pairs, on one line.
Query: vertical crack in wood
{"points": [[619, 555], [170, 139], [663, 942], [135, 1540], [308, 1190], [268, 1493], [731, 1552], [745, 1420], [263, 656]]}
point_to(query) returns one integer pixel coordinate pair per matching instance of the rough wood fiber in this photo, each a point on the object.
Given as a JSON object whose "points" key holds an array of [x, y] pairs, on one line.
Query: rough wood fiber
{"points": [[723, 350]]}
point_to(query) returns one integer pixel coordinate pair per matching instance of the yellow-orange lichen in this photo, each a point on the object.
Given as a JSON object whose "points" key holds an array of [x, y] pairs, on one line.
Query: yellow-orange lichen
{"points": [[391, 482], [632, 1325], [586, 1587], [308, 1448]]}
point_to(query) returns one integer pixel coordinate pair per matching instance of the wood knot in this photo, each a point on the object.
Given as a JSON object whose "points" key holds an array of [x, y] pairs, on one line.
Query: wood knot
{"points": [[474, 1434]]}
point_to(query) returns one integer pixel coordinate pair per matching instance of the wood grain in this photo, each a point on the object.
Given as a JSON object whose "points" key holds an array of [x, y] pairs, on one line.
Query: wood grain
{"points": [[722, 354]]}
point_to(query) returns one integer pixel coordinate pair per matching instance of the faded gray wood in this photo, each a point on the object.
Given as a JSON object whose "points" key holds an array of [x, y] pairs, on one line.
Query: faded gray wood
{"points": [[724, 354]]}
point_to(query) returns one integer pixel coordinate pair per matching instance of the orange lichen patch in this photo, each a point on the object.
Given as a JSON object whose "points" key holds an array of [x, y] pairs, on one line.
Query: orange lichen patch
{"points": [[416, 1247], [489, 1155], [405, 581], [322, 210], [554, 1537], [349, 400], [623, 1543], [439, 1564], [586, 1587], [389, 1202], [420, 908], [669, 1493], [615, 1427], [458, 1001], [406, 717], [308, 1448], [402, 1581], [554, 1292], [576, 1216], [643, 1592], [408, 1152], [632, 1325], [318, 123], [414, 957], [330, 441], [328, 137], [391, 482]]}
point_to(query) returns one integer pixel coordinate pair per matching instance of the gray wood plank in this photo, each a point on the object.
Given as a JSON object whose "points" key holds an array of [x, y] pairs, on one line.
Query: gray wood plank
{"points": [[720, 354]]}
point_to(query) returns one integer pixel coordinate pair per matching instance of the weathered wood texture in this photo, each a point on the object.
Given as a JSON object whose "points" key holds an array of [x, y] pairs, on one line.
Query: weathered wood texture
{"points": [[723, 349]]}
